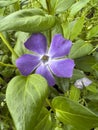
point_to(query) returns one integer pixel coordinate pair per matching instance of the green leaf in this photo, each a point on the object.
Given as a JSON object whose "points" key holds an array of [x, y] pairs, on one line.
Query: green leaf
{"points": [[57, 29], [27, 20], [85, 63], [93, 106], [92, 88], [95, 67], [44, 121], [78, 6], [71, 112], [77, 28], [25, 97], [19, 47], [66, 29], [43, 3], [77, 74], [74, 93], [93, 32], [93, 97], [4, 3], [80, 48], [58, 6], [63, 83], [72, 29]]}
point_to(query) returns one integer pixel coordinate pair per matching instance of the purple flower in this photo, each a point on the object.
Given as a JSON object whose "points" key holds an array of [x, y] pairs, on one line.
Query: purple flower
{"points": [[47, 62], [83, 82]]}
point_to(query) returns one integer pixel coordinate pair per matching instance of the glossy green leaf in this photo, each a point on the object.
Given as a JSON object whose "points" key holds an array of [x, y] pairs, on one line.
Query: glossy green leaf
{"points": [[80, 48], [77, 74], [93, 97], [44, 121], [85, 63], [43, 3], [95, 67], [4, 3], [19, 47], [77, 28], [71, 112], [25, 97], [58, 6], [74, 93], [63, 83], [93, 106], [92, 32], [78, 6], [92, 88], [66, 29], [27, 20]]}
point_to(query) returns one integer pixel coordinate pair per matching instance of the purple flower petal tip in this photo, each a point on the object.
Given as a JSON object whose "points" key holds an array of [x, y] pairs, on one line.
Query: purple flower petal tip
{"points": [[62, 68], [59, 46], [27, 63], [37, 43]]}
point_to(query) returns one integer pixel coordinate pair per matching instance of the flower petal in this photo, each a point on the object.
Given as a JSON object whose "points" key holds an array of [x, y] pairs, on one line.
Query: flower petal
{"points": [[62, 68], [86, 81], [27, 63], [37, 43], [59, 46], [45, 72], [78, 84]]}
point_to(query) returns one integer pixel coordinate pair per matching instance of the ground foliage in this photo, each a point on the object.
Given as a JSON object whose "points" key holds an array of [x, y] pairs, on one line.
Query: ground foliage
{"points": [[28, 103]]}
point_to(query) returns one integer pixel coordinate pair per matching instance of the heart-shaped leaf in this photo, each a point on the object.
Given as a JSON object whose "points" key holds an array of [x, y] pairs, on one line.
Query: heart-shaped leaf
{"points": [[25, 97]]}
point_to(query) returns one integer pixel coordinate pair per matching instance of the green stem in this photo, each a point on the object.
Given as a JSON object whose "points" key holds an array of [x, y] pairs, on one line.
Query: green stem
{"points": [[49, 12], [8, 45], [93, 50], [48, 102], [48, 6], [7, 65]]}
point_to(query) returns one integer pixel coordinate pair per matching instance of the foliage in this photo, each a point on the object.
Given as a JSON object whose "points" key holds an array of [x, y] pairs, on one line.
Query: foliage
{"points": [[27, 102]]}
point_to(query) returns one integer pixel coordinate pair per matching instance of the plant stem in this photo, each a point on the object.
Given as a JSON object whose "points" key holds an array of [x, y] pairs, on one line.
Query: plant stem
{"points": [[49, 12], [8, 45], [48, 6], [8, 65], [49, 104]]}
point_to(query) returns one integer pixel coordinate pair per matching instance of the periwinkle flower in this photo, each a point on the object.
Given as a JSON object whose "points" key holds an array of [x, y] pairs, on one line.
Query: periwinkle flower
{"points": [[83, 82], [47, 62]]}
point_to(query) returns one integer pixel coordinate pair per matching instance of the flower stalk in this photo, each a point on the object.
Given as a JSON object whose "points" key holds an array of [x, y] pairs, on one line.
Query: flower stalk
{"points": [[8, 45], [7, 65]]}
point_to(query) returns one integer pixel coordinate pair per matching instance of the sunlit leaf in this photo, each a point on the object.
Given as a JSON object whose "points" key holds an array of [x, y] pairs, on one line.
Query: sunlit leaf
{"points": [[77, 28], [80, 48], [27, 20], [92, 32], [58, 6], [25, 97], [71, 112], [4, 3], [85, 63], [78, 6], [74, 93], [44, 120]]}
